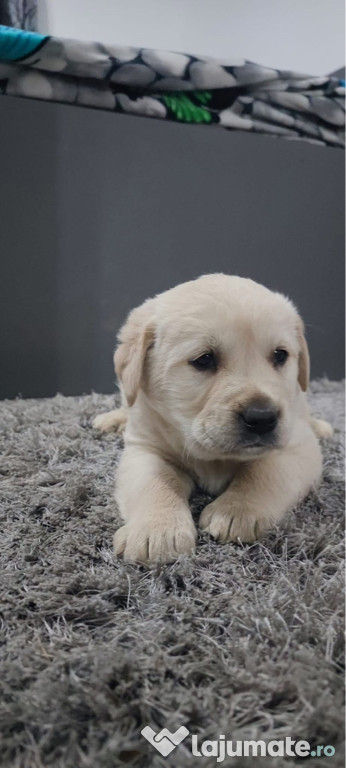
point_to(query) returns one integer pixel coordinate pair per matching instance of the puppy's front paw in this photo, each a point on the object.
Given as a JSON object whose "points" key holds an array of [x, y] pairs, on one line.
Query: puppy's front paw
{"points": [[322, 429], [144, 543], [112, 421], [231, 522]]}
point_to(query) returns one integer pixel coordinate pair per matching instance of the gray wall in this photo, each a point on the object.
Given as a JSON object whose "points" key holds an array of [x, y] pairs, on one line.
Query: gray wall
{"points": [[100, 211]]}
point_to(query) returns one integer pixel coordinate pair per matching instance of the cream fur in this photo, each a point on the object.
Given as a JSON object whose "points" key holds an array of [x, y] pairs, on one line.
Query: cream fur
{"points": [[182, 425]]}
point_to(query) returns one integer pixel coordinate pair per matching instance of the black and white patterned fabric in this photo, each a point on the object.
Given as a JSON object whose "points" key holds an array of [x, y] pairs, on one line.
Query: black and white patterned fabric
{"points": [[235, 94], [19, 13]]}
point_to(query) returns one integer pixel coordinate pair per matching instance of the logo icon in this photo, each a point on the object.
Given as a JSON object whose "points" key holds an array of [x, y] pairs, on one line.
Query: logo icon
{"points": [[165, 741]]}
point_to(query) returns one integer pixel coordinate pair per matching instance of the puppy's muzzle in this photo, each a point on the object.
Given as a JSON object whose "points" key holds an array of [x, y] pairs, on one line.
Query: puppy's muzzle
{"points": [[258, 420]]}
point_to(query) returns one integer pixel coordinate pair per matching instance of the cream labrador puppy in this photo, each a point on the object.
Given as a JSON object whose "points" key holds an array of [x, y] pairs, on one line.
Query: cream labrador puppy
{"points": [[213, 376]]}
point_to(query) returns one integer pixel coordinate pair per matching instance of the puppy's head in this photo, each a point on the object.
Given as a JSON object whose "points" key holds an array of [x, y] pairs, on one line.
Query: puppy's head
{"points": [[222, 360]]}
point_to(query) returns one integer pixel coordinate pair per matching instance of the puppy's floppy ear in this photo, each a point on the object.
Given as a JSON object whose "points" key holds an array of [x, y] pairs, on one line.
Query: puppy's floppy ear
{"points": [[135, 338], [304, 358]]}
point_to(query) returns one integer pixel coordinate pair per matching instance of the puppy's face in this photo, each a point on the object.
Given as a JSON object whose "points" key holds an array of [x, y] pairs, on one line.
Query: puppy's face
{"points": [[222, 364]]}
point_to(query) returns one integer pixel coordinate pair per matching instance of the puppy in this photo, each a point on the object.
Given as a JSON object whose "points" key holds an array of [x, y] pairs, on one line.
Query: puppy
{"points": [[213, 375]]}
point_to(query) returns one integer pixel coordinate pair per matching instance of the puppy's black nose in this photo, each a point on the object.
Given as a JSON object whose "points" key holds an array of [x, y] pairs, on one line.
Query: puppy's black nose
{"points": [[259, 419]]}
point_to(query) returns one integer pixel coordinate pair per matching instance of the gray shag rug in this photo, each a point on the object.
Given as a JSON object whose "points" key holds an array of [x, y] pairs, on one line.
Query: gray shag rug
{"points": [[242, 641]]}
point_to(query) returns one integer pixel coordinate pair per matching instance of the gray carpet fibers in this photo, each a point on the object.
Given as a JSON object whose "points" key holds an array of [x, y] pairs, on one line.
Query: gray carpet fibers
{"points": [[245, 641]]}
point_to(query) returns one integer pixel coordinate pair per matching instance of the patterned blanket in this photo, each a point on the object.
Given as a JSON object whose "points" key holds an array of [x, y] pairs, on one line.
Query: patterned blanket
{"points": [[19, 13], [235, 94]]}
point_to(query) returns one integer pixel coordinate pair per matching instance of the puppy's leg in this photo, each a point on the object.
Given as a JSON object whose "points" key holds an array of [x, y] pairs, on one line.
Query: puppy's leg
{"points": [[112, 421], [153, 500], [264, 489]]}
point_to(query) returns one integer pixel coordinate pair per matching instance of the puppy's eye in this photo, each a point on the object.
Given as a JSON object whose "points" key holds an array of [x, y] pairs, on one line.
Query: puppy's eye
{"points": [[279, 357], [206, 362]]}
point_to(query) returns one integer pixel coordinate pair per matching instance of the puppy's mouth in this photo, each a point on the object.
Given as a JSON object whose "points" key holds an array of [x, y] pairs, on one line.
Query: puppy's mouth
{"points": [[240, 449], [247, 442], [257, 444], [241, 445]]}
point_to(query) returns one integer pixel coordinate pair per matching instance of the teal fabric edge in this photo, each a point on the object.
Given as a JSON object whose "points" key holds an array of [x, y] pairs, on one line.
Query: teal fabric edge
{"points": [[16, 44]]}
